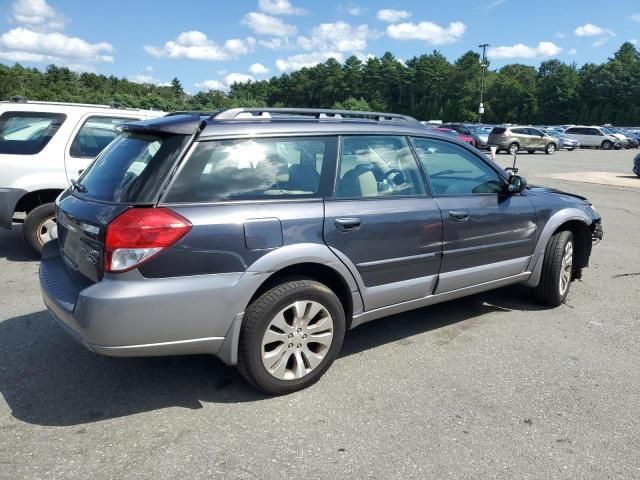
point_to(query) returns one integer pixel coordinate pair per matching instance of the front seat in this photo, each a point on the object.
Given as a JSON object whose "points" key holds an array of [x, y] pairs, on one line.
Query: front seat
{"points": [[304, 176], [360, 181]]}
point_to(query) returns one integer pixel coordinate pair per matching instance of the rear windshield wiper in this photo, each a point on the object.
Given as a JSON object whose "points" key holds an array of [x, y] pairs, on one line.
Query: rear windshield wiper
{"points": [[78, 186]]}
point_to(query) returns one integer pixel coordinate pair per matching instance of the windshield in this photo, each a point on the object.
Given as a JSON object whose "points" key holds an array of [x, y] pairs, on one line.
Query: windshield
{"points": [[131, 168]]}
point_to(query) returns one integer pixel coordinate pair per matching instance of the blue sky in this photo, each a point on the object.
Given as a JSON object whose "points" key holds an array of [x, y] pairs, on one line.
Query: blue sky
{"points": [[212, 43]]}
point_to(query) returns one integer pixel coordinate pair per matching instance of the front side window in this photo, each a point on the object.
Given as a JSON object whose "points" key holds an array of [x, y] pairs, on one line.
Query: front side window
{"points": [[95, 134], [27, 133], [253, 169], [452, 170], [377, 166]]}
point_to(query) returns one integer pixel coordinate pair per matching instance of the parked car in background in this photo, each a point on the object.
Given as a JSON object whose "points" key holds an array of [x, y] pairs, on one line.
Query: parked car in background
{"points": [[463, 138], [263, 235], [564, 142], [630, 139], [636, 165], [466, 131], [594, 137], [43, 147], [481, 135], [513, 139]]}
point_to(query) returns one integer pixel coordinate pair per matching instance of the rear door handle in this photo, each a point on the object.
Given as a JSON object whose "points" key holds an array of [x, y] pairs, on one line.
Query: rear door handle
{"points": [[459, 215], [347, 224]]}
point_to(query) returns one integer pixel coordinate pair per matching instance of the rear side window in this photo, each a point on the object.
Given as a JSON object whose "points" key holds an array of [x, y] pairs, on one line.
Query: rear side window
{"points": [[95, 134], [27, 133], [254, 169], [519, 131], [498, 130], [132, 168]]}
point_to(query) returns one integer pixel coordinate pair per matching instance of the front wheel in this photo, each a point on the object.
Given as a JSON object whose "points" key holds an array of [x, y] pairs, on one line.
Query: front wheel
{"points": [[557, 269], [40, 227], [551, 149], [290, 336]]}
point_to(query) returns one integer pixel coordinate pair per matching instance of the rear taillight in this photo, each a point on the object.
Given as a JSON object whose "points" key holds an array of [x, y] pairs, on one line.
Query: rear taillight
{"points": [[140, 233]]}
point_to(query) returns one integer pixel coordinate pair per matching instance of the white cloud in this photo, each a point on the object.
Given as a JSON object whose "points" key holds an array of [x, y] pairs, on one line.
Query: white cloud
{"points": [[280, 7], [495, 4], [296, 62], [263, 24], [392, 16], [258, 69], [635, 17], [352, 9], [37, 14], [276, 43], [591, 30], [543, 50], [142, 78], [339, 36], [573, 51], [237, 78], [195, 45], [24, 45], [429, 32], [211, 85], [560, 35], [600, 42], [633, 41]]}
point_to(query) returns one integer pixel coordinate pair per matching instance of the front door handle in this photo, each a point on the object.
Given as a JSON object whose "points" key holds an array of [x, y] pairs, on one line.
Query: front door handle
{"points": [[347, 224], [459, 215]]}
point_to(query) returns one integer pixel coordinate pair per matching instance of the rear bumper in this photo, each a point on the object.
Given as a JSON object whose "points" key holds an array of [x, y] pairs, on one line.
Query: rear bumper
{"points": [[135, 316], [8, 199]]}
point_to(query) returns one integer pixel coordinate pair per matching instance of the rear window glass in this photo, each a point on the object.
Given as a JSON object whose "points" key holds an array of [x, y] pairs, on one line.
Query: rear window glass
{"points": [[95, 134], [27, 133], [498, 130], [254, 169], [132, 168]]}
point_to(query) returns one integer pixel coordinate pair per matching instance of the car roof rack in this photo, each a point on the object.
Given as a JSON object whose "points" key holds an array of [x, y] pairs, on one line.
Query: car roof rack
{"points": [[265, 113]]}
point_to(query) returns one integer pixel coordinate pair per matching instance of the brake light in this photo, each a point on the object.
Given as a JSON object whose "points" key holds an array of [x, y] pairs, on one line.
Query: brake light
{"points": [[139, 234]]}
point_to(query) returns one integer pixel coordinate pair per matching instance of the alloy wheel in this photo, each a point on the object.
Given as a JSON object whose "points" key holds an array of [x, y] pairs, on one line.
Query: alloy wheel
{"points": [[297, 340], [566, 268]]}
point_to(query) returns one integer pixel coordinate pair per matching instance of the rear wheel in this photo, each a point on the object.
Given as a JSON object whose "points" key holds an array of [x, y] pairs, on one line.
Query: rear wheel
{"points": [[557, 269], [551, 149], [290, 336], [40, 227], [513, 148], [606, 145]]}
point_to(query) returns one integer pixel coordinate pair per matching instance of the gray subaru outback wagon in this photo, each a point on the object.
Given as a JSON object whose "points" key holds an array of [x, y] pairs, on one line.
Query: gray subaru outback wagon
{"points": [[263, 235]]}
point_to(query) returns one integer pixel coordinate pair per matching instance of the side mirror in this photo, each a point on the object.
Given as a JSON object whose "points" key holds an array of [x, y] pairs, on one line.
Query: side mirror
{"points": [[516, 184]]}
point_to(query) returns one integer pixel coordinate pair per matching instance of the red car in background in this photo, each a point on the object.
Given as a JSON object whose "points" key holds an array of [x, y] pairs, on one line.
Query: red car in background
{"points": [[459, 136]]}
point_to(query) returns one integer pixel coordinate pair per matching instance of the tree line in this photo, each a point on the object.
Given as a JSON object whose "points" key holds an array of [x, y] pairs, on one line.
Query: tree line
{"points": [[426, 86]]}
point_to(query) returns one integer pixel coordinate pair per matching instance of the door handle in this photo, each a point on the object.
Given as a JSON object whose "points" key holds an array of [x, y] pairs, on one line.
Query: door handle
{"points": [[459, 215], [347, 224]]}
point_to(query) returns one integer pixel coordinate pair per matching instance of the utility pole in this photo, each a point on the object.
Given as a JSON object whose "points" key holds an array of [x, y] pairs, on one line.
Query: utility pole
{"points": [[483, 65]]}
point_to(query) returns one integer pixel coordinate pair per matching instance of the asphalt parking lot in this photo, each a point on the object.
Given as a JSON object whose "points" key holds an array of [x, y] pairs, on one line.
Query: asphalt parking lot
{"points": [[491, 386]]}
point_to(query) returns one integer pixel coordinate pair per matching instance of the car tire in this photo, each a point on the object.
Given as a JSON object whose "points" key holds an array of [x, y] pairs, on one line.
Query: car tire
{"points": [[550, 149], [513, 148], [39, 227], [606, 145], [557, 269], [285, 314]]}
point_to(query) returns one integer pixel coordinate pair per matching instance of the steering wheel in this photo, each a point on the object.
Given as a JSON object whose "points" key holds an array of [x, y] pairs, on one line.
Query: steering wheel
{"points": [[390, 172]]}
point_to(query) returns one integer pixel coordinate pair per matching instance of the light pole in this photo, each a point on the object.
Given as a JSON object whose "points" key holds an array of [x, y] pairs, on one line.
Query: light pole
{"points": [[483, 65]]}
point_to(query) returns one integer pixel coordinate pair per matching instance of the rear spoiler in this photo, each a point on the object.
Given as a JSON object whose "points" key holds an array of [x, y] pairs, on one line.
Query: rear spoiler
{"points": [[171, 125]]}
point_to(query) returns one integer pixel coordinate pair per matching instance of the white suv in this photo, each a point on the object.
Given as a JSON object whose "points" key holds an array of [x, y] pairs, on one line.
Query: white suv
{"points": [[43, 147], [594, 136]]}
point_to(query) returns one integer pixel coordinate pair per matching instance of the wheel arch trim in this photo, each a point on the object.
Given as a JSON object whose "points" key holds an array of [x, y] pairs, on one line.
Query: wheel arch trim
{"points": [[556, 221]]}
